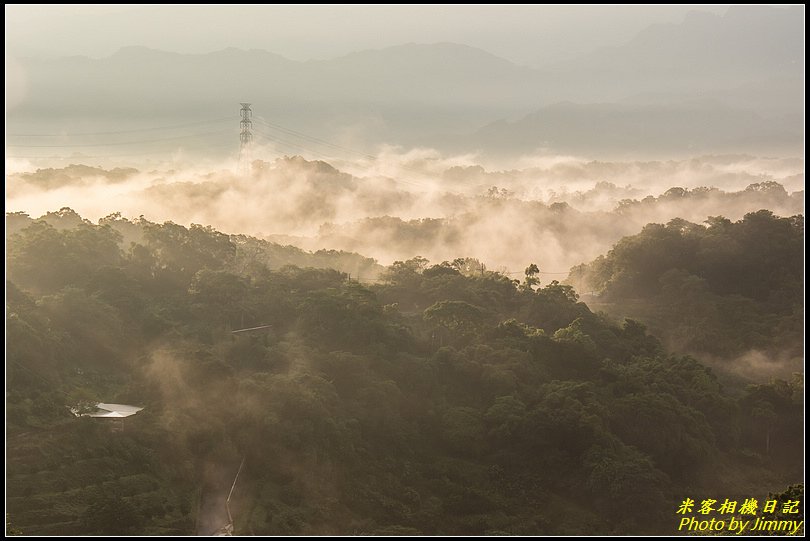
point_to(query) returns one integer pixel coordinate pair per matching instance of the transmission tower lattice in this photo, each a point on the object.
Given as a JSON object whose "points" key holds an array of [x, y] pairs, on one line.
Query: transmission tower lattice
{"points": [[245, 138]]}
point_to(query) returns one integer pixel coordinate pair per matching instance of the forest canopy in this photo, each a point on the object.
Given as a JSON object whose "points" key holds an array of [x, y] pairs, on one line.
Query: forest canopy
{"points": [[721, 287], [443, 398]]}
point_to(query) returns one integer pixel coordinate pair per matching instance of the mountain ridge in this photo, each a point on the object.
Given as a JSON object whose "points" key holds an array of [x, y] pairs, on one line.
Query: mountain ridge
{"points": [[437, 94]]}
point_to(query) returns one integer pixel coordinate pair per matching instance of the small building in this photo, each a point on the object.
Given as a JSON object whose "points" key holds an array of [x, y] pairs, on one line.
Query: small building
{"points": [[112, 411], [109, 411]]}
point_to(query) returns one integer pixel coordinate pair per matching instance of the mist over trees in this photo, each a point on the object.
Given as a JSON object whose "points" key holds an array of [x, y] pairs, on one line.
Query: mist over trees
{"points": [[438, 292], [567, 211], [721, 287], [446, 398]]}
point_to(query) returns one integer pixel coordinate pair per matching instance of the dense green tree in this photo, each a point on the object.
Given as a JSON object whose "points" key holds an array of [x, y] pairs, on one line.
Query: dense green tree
{"points": [[723, 288], [531, 279], [443, 399]]}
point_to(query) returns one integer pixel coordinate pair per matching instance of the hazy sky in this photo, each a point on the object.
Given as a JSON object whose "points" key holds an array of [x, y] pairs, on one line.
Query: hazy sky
{"points": [[524, 34]]}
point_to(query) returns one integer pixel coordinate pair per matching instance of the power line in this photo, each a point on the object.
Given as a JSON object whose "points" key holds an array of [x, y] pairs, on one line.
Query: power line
{"points": [[301, 135], [310, 138], [539, 272], [378, 279], [275, 139], [77, 155], [121, 143], [260, 120], [157, 128]]}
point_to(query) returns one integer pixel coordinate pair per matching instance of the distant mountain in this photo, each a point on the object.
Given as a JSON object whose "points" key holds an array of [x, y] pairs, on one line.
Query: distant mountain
{"points": [[423, 73], [413, 94], [751, 61], [704, 53], [138, 79], [677, 128], [721, 83]]}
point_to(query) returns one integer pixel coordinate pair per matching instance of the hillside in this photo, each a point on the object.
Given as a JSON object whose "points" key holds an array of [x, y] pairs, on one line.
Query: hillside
{"points": [[721, 288], [446, 399]]}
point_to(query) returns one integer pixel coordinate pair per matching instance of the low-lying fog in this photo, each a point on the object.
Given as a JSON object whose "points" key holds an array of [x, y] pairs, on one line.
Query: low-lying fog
{"points": [[555, 211]]}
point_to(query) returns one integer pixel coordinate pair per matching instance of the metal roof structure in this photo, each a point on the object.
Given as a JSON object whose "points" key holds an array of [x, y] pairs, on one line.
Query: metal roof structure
{"points": [[116, 411]]}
